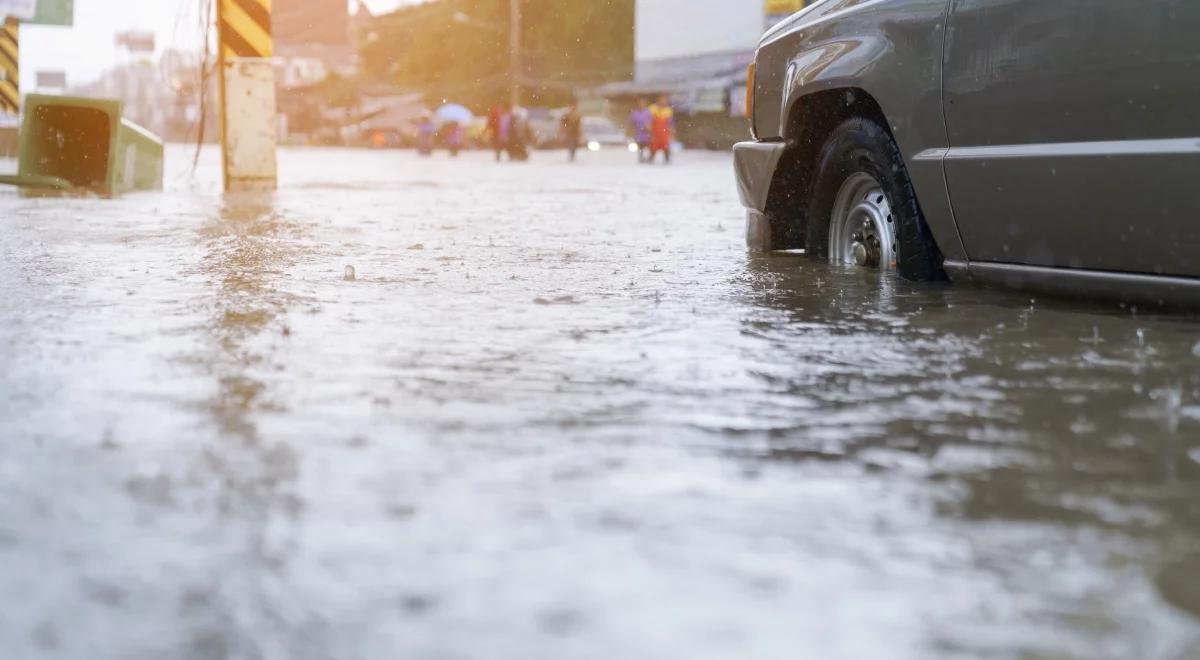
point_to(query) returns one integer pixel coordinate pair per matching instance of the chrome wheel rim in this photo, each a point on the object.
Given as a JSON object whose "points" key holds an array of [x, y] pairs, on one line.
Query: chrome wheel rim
{"points": [[862, 228]]}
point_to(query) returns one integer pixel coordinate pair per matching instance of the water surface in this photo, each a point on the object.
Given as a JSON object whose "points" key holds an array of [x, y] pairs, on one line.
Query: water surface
{"points": [[559, 412]]}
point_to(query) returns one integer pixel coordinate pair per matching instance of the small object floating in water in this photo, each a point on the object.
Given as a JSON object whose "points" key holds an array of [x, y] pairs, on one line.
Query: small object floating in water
{"points": [[350, 275], [560, 300]]}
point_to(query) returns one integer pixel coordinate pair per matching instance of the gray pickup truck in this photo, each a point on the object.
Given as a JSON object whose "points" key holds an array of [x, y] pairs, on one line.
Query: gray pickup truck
{"points": [[1051, 145]]}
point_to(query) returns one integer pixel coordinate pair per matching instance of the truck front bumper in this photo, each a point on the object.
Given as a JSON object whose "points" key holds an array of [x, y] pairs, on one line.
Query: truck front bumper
{"points": [[755, 163]]}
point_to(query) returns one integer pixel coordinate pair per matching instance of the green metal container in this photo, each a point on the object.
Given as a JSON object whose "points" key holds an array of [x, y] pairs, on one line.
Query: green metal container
{"points": [[86, 142]]}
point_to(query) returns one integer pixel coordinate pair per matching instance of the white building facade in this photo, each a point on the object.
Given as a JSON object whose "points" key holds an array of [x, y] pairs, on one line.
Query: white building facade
{"points": [[671, 29], [697, 52], [695, 39]]}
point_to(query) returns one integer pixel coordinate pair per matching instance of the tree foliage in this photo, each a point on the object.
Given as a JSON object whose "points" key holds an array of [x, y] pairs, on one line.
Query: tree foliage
{"points": [[459, 49]]}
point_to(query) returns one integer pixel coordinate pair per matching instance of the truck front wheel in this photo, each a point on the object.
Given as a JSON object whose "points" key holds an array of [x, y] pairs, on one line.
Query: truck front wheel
{"points": [[863, 211]]}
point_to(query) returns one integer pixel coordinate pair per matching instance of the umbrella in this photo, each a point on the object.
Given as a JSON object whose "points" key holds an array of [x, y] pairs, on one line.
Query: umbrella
{"points": [[454, 112]]}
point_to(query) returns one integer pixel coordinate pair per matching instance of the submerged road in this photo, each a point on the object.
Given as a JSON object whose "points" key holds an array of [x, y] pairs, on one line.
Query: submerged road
{"points": [[411, 408]]}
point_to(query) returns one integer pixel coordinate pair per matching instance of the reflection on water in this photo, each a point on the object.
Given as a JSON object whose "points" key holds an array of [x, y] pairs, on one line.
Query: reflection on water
{"points": [[248, 248], [1065, 415], [424, 409], [247, 251]]}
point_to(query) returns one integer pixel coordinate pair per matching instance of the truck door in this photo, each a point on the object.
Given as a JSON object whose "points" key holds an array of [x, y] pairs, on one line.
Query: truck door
{"points": [[1074, 128]]}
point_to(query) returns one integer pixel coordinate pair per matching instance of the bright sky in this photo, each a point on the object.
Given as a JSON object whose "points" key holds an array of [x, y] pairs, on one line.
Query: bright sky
{"points": [[86, 50]]}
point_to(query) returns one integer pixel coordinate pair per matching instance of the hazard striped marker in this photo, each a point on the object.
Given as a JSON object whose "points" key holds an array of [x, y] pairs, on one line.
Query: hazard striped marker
{"points": [[246, 28], [10, 70], [249, 119]]}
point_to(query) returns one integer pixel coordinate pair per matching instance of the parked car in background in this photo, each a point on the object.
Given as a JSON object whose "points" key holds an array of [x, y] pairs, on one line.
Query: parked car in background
{"points": [[599, 132], [602, 132], [1028, 144], [543, 127]]}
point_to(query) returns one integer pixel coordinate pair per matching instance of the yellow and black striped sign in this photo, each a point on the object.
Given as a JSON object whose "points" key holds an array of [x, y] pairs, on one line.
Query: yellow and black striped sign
{"points": [[10, 70], [245, 28]]}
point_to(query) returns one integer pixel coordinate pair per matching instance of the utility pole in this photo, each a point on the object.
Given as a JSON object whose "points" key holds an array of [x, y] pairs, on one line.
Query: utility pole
{"points": [[249, 120], [514, 49]]}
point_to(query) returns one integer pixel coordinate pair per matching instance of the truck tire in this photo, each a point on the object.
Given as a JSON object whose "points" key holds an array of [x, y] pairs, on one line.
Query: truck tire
{"points": [[863, 210]]}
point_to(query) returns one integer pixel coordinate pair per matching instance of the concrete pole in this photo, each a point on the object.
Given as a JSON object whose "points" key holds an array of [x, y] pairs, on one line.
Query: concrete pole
{"points": [[514, 50], [249, 119]]}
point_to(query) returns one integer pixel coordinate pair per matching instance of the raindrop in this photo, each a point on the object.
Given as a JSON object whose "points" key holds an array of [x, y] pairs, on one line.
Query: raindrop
{"points": [[350, 275], [1082, 426], [1196, 349], [1141, 337], [1171, 399]]}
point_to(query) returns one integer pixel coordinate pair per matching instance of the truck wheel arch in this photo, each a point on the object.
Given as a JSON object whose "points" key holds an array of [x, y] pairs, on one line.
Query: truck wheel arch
{"points": [[812, 119]]}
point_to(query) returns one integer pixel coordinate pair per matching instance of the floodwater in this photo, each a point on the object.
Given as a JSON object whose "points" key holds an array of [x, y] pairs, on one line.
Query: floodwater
{"points": [[412, 408]]}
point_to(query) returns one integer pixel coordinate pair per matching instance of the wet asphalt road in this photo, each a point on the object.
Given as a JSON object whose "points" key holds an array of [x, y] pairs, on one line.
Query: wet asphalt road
{"points": [[558, 412]]}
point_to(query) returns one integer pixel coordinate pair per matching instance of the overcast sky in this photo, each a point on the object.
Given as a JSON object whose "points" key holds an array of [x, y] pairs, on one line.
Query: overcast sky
{"points": [[86, 50]]}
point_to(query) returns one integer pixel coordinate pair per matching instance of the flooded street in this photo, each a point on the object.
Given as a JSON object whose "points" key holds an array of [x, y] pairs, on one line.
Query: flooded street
{"points": [[441, 409]]}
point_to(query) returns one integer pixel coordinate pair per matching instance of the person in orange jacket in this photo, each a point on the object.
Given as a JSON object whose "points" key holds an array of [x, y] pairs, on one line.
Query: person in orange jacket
{"points": [[662, 128]]}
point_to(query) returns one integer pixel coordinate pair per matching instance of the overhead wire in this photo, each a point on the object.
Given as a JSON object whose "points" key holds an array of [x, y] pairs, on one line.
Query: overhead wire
{"points": [[207, 68]]}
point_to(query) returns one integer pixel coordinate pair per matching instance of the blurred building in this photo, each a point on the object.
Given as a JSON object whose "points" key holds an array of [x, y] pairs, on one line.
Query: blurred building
{"points": [[135, 79], [316, 58], [141, 86], [697, 51], [167, 94], [194, 112], [312, 39]]}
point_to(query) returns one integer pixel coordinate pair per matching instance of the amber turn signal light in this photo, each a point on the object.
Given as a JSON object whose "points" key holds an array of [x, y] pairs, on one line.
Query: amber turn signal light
{"points": [[750, 91]]}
